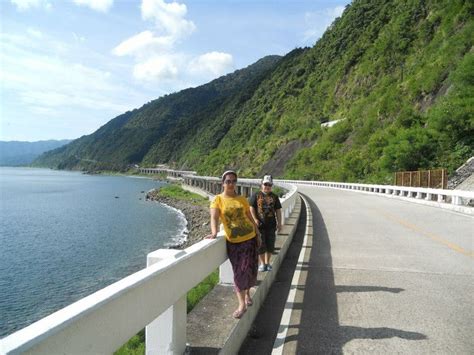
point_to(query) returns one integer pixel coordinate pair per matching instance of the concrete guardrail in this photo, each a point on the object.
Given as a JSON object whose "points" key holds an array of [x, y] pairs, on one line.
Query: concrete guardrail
{"points": [[154, 297], [455, 200]]}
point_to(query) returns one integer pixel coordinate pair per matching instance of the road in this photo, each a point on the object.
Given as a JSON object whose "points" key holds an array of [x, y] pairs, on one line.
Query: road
{"points": [[379, 275]]}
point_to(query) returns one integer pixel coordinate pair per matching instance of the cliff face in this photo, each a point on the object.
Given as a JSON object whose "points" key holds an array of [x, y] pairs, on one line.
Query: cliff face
{"points": [[397, 74]]}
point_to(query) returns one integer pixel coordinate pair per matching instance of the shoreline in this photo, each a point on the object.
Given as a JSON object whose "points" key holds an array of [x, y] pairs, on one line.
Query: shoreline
{"points": [[196, 216]]}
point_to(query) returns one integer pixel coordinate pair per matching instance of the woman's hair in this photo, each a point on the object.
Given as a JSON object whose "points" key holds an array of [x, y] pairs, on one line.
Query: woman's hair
{"points": [[227, 172]]}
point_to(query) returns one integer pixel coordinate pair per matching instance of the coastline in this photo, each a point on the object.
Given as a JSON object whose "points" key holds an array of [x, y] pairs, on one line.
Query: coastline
{"points": [[196, 216]]}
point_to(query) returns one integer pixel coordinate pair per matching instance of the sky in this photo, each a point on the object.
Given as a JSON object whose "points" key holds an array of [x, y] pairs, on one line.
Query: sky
{"points": [[67, 67]]}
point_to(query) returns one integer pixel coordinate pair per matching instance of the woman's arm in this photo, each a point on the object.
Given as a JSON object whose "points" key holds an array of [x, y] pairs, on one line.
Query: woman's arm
{"points": [[279, 220], [253, 212], [255, 226], [214, 223]]}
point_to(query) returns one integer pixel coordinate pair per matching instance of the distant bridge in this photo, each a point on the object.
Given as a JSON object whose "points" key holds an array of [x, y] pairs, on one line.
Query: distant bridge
{"points": [[375, 274]]}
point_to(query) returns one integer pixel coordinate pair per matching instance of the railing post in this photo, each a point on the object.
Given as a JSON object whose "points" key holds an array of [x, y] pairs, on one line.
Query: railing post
{"points": [[167, 333], [456, 200], [226, 275]]}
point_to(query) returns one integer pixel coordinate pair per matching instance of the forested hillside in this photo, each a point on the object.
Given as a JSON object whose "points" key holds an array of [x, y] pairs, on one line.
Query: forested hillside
{"points": [[165, 129], [398, 74]]}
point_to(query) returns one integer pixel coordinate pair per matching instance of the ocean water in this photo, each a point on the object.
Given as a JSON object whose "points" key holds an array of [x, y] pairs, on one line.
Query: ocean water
{"points": [[65, 235]]}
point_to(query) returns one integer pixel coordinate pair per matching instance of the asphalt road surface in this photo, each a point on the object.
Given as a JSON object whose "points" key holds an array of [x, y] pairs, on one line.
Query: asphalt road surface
{"points": [[378, 276]]}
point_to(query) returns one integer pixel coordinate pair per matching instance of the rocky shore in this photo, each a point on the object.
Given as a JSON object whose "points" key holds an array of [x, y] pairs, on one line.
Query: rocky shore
{"points": [[197, 217]]}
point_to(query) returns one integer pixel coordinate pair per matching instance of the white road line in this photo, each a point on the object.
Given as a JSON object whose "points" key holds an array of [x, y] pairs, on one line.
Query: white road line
{"points": [[279, 343]]}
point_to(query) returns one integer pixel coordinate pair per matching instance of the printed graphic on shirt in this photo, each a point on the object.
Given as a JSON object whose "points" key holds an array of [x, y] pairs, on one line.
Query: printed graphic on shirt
{"points": [[232, 212], [237, 222], [266, 205]]}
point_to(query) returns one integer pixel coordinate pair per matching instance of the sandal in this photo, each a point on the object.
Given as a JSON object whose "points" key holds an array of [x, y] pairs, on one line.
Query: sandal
{"points": [[238, 314], [248, 302]]}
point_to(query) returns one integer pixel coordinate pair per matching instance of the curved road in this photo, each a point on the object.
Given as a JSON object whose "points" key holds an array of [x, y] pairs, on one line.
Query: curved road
{"points": [[380, 275]]}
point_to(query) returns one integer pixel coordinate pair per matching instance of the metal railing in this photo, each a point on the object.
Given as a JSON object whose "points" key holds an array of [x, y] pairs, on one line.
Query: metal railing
{"points": [[434, 178]]}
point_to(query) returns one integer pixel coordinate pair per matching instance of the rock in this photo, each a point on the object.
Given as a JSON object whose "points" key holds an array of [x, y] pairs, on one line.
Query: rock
{"points": [[197, 217], [462, 177]]}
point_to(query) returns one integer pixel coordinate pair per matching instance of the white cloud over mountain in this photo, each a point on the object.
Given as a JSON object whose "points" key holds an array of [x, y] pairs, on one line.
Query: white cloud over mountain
{"points": [[318, 21], [155, 49], [212, 63], [142, 43]]}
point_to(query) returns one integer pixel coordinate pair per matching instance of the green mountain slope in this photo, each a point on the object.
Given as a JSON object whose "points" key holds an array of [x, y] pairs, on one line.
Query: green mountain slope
{"points": [[164, 129], [398, 74]]}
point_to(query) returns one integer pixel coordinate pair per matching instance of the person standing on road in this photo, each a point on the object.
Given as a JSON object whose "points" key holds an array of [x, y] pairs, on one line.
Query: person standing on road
{"points": [[265, 207], [242, 238]]}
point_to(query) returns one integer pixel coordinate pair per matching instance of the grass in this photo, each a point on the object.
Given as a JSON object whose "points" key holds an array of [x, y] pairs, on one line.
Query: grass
{"points": [[177, 192], [278, 191]]}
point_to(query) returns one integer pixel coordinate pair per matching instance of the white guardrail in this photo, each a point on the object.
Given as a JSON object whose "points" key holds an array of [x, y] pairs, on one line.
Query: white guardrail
{"points": [[455, 200], [154, 297]]}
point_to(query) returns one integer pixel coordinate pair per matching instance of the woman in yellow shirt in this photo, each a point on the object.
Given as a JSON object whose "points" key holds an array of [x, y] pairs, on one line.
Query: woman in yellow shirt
{"points": [[242, 238]]}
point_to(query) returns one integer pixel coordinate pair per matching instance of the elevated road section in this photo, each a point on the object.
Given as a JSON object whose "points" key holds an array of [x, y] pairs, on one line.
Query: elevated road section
{"points": [[373, 275]]}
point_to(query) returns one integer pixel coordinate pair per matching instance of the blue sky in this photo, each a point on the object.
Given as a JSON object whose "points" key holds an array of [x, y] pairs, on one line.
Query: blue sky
{"points": [[69, 66]]}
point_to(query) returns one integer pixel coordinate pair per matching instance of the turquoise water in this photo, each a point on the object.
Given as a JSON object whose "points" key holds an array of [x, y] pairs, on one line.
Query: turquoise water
{"points": [[64, 235]]}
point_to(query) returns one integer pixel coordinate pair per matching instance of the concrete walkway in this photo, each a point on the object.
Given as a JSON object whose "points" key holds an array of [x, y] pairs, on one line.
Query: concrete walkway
{"points": [[377, 275]]}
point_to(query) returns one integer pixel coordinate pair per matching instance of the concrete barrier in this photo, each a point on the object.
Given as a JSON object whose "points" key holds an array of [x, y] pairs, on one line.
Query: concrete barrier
{"points": [[154, 296], [454, 200]]}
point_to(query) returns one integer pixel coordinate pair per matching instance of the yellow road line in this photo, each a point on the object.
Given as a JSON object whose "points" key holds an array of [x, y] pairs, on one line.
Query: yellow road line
{"points": [[414, 228]]}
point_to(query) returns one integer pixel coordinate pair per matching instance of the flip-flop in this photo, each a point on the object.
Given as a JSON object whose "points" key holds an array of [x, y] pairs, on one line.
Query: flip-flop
{"points": [[249, 302], [238, 314]]}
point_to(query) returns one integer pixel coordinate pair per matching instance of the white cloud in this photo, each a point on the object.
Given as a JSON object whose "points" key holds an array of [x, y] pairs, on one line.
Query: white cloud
{"points": [[211, 64], [51, 88], [157, 68], [78, 38], [96, 5], [24, 5], [319, 21], [34, 33], [169, 18], [141, 43], [154, 50]]}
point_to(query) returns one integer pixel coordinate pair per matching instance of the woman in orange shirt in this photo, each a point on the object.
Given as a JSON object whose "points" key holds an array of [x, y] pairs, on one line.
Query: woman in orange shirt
{"points": [[242, 238]]}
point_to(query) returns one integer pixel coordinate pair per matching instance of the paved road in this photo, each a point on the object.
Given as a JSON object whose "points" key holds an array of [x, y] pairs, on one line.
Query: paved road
{"points": [[381, 276]]}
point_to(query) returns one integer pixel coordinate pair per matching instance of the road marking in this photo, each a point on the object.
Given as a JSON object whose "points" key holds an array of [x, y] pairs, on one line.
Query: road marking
{"points": [[279, 343], [432, 236]]}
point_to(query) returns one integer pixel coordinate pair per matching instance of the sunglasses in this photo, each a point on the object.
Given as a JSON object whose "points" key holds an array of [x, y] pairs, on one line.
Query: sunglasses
{"points": [[268, 184], [228, 182]]}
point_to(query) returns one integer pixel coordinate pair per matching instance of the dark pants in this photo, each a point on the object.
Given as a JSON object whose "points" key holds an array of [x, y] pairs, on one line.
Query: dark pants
{"points": [[268, 239]]}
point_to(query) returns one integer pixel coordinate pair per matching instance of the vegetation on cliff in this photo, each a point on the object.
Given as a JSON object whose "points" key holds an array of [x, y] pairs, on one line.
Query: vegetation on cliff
{"points": [[398, 74]]}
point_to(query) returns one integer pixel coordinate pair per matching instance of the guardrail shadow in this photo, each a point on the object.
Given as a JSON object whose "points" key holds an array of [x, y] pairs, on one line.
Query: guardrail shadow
{"points": [[265, 327], [319, 330]]}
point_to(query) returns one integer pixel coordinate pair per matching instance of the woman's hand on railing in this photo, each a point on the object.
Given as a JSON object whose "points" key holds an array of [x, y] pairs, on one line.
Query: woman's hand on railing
{"points": [[211, 236]]}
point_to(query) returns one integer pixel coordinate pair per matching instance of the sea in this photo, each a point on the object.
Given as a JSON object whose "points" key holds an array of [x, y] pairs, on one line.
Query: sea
{"points": [[65, 235]]}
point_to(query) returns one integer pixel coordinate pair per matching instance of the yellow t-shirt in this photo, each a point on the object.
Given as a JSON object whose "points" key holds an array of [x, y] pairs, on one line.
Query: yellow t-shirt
{"points": [[232, 212]]}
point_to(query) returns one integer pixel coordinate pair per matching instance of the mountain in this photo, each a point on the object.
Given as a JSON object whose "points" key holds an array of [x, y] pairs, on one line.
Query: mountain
{"points": [[16, 153], [397, 75], [187, 123]]}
